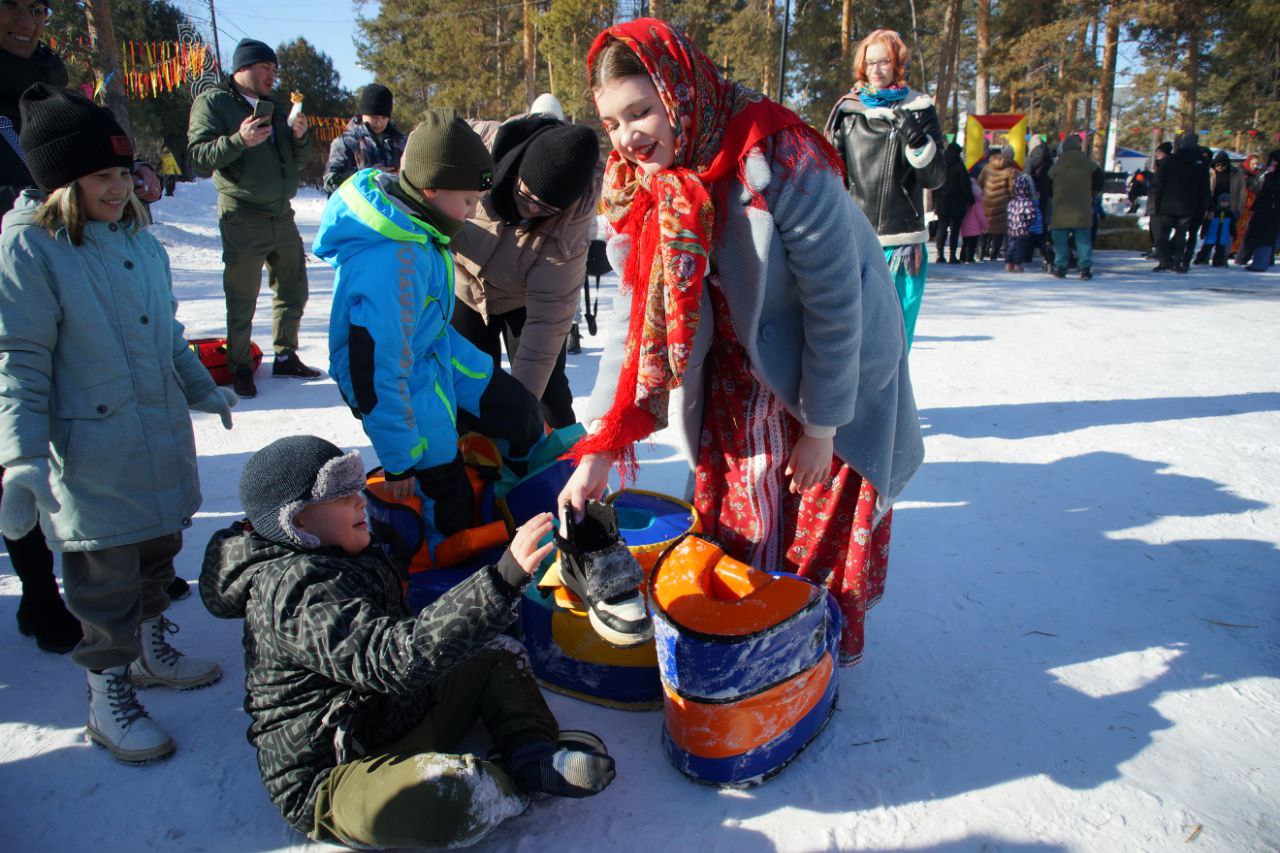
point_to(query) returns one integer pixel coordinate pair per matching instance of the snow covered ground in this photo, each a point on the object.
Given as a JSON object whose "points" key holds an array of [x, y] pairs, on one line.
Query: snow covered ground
{"points": [[1078, 649]]}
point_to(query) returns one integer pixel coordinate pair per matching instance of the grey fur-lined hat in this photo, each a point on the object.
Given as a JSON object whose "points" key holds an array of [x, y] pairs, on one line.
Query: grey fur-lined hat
{"points": [[290, 474]]}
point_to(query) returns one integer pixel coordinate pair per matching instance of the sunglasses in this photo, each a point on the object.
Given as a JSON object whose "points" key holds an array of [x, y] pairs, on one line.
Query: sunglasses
{"points": [[39, 12], [535, 204]]}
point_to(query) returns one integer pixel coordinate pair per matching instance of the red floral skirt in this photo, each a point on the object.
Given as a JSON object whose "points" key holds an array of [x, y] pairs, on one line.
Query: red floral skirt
{"points": [[741, 493]]}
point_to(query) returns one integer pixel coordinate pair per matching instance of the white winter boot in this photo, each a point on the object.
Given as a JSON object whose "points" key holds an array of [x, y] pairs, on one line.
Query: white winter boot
{"points": [[160, 663], [119, 723]]}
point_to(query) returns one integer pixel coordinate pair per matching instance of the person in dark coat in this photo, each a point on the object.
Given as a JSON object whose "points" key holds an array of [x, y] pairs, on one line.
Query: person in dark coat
{"points": [[1264, 224], [1179, 196], [1039, 162], [357, 705], [1155, 228], [371, 140], [1224, 180], [952, 200]]}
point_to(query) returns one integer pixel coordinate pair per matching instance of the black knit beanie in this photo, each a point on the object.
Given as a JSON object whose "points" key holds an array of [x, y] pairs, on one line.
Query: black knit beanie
{"points": [[444, 153], [559, 164], [251, 51], [1166, 147], [375, 100], [511, 146], [291, 473], [66, 136]]}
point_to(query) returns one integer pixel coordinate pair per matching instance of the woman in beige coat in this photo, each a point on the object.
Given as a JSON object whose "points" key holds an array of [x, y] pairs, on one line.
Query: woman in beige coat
{"points": [[522, 260]]}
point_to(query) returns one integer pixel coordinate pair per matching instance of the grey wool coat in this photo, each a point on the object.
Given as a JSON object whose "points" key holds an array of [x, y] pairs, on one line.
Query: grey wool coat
{"points": [[95, 375], [814, 306]]}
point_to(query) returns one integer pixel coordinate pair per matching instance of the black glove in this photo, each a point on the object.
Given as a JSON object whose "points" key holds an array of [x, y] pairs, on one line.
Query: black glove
{"points": [[911, 130]]}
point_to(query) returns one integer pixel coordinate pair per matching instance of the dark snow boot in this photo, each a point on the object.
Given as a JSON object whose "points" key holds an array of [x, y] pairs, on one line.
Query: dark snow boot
{"points": [[577, 766], [575, 340], [596, 567], [41, 613]]}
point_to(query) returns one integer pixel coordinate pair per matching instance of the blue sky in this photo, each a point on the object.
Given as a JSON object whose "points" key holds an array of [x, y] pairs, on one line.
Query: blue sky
{"points": [[328, 24]]}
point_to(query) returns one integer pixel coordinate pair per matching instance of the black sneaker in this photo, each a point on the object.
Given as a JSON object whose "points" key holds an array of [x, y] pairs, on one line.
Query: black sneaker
{"points": [[1058, 272], [178, 589], [288, 364], [1086, 273], [596, 567], [242, 383]]}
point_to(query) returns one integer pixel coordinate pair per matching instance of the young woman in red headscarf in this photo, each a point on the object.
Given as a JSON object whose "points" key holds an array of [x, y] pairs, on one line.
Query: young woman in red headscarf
{"points": [[751, 283]]}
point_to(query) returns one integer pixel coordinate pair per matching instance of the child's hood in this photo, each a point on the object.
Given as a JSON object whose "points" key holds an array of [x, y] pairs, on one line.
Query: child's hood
{"points": [[232, 560], [362, 214], [24, 210]]}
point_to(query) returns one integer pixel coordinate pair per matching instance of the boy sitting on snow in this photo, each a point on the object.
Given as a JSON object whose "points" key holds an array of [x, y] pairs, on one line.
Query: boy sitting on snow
{"points": [[356, 705], [399, 363]]}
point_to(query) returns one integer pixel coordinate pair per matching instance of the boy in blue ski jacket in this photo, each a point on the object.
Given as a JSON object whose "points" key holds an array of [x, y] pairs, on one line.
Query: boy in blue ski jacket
{"points": [[399, 364]]}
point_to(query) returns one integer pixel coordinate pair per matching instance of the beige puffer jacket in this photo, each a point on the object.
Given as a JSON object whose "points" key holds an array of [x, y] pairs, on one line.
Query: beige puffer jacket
{"points": [[504, 267]]}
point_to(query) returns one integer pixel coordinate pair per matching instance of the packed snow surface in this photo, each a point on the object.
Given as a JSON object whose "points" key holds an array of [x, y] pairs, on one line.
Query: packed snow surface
{"points": [[1078, 648]]}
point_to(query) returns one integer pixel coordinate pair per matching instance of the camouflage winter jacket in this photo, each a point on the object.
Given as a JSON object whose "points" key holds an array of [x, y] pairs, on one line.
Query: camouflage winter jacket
{"points": [[334, 664]]}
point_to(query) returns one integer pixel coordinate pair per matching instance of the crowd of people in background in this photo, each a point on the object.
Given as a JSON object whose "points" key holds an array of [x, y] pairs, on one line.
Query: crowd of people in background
{"points": [[1192, 197]]}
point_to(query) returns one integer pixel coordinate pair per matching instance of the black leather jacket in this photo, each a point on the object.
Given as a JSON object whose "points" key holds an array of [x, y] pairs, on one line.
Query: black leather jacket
{"points": [[888, 188]]}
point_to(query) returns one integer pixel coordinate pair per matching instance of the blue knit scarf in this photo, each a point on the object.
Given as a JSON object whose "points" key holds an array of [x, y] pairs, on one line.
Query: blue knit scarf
{"points": [[886, 97]]}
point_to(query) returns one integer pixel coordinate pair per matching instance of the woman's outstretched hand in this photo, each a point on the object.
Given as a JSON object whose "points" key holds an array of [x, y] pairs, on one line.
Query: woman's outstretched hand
{"points": [[587, 482], [810, 462]]}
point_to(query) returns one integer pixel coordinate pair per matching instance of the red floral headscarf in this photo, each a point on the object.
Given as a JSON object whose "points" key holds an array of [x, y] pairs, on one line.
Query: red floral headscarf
{"points": [[670, 219]]}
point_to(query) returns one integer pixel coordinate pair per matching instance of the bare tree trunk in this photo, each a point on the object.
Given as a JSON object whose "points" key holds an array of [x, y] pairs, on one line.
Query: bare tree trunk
{"points": [[1105, 93], [982, 95], [1188, 105], [657, 9], [846, 35], [1157, 136], [1091, 73], [106, 61], [948, 62], [1069, 78], [766, 77], [530, 53]]}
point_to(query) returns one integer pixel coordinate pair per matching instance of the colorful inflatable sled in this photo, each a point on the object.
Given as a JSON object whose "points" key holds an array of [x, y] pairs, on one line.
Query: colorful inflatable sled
{"points": [[748, 663], [567, 655]]}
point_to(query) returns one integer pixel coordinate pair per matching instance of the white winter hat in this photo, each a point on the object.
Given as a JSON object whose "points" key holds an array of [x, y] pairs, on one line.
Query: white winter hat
{"points": [[547, 103]]}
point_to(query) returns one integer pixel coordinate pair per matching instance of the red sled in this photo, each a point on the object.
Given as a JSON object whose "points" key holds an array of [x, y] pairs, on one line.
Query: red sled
{"points": [[212, 353]]}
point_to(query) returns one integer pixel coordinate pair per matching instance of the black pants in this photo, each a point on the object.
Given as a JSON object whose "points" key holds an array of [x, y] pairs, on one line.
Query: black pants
{"points": [[504, 330], [508, 412], [1174, 233], [948, 225], [970, 249]]}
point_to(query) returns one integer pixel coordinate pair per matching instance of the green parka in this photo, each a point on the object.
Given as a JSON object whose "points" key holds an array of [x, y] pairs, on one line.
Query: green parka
{"points": [[261, 179]]}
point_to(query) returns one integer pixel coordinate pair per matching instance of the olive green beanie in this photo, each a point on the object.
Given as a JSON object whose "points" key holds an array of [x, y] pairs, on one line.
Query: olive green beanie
{"points": [[444, 153]]}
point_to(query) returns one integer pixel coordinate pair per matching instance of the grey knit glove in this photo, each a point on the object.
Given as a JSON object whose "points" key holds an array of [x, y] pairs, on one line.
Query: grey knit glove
{"points": [[219, 403]]}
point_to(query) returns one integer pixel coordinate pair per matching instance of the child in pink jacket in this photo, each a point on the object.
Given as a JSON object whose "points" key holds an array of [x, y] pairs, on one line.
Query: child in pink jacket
{"points": [[974, 225]]}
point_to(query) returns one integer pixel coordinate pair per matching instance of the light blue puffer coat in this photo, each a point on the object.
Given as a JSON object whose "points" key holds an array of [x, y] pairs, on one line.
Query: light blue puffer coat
{"points": [[95, 374], [392, 351]]}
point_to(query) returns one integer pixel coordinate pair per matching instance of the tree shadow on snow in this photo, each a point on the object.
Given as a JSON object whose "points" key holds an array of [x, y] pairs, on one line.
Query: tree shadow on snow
{"points": [[1024, 420]]}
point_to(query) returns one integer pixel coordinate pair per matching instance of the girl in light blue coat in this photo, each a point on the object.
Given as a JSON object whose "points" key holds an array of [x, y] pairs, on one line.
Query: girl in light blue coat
{"points": [[95, 384]]}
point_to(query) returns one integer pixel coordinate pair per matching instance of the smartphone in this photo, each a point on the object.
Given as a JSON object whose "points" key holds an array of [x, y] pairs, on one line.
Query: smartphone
{"points": [[263, 109]]}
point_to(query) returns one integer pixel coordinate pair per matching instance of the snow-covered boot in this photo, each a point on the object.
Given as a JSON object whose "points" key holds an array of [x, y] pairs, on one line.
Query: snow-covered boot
{"points": [[596, 567], [162, 664], [577, 766], [118, 722]]}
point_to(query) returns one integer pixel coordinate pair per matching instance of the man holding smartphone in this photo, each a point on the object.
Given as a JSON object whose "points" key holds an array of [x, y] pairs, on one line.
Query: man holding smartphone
{"points": [[238, 134]]}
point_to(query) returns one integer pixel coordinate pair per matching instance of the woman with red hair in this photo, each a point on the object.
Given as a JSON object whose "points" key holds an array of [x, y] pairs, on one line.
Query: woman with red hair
{"points": [[750, 282], [891, 142]]}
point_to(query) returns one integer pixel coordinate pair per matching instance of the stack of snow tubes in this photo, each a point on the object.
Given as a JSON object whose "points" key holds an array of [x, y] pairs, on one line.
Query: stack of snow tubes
{"points": [[567, 655], [748, 663]]}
